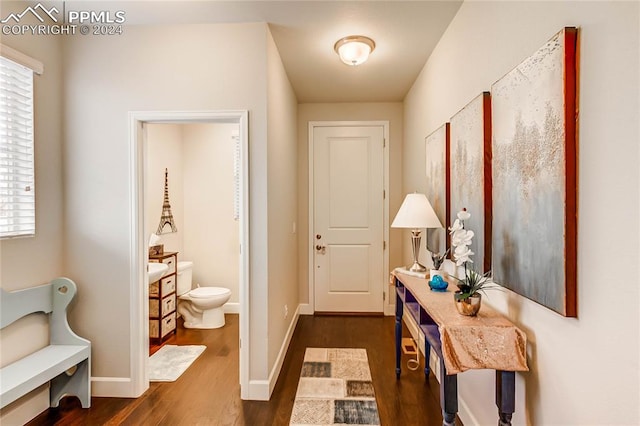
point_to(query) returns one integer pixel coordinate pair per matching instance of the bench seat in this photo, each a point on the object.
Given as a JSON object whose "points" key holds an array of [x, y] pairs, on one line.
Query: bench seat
{"points": [[26, 374], [65, 363]]}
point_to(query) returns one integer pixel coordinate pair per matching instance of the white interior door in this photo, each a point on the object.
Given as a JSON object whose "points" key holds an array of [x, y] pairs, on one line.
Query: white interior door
{"points": [[348, 190]]}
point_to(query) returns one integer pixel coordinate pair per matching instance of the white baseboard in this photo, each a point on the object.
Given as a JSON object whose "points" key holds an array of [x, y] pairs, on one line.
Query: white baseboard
{"points": [[260, 390], [275, 371], [113, 387], [389, 310], [465, 414], [306, 309], [231, 308]]}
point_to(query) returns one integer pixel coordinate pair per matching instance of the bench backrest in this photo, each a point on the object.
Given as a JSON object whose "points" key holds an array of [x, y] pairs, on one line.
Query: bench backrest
{"points": [[52, 298]]}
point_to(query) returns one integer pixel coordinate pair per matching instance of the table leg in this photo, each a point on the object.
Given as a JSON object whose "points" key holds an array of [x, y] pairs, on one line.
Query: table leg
{"points": [[399, 309], [505, 396], [448, 395], [427, 354]]}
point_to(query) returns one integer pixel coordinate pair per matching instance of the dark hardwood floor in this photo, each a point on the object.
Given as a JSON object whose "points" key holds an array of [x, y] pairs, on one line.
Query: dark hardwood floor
{"points": [[208, 393]]}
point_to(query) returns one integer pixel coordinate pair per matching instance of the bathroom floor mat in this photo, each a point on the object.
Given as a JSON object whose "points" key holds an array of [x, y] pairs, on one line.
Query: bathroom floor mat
{"points": [[171, 361], [335, 387]]}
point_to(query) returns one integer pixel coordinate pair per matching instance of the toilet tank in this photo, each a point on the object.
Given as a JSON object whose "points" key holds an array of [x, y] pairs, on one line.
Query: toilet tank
{"points": [[185, 274]]}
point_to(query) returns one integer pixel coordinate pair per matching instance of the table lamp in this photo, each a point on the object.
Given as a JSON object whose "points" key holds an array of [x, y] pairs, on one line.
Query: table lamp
{"points": [[416, 213]]}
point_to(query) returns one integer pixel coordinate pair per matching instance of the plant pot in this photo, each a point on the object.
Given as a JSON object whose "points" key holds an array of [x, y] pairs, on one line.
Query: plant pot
{"points": [[469, 306]]}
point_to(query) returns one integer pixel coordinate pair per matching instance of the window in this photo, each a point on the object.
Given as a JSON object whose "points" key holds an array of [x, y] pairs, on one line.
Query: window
{"points": [[17, 191]]}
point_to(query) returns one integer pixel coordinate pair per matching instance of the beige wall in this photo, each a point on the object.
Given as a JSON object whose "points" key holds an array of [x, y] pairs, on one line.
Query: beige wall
{"points": [[150, 68], [392, 112], [164, 150], [27, 262], [200, 160], [583, 370], [282, 207], [211, 235]]}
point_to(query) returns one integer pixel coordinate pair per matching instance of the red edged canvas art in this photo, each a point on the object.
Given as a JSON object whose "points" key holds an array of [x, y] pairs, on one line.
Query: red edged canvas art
{"points": [[470, 174], [534, 148], [437, 192]]}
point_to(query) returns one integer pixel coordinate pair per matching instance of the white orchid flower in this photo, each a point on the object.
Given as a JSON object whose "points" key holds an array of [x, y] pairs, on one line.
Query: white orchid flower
{"points": [[463, 254], [462, 260], [457, 226], [464, 215], [462, 237], [462, 251]]}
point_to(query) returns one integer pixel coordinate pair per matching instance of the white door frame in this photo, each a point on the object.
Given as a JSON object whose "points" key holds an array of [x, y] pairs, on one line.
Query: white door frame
{"points": [[139, 294], [385, 271]]}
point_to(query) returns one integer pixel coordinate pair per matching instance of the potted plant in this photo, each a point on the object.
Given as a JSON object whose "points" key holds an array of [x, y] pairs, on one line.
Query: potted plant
{"points": [[468, 299]]}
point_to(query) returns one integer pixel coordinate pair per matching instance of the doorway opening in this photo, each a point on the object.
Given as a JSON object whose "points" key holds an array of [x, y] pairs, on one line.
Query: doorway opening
{"points": [[139, 343]]}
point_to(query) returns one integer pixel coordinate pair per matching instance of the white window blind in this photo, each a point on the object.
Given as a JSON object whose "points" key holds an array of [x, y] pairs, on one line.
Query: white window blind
{"points": [[17, 191]]}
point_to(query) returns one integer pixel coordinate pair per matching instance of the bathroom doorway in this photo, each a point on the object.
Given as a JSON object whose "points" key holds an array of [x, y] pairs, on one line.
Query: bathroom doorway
{"points": [[195, 124]]}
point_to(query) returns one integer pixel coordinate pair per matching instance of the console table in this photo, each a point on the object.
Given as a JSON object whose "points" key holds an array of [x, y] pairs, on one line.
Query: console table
{"points": [[488, 340]]}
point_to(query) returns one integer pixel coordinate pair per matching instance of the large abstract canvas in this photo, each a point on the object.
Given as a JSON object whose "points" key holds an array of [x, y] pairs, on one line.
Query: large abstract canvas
{"points": [[534, 151], [436, 147], [470, 174]]}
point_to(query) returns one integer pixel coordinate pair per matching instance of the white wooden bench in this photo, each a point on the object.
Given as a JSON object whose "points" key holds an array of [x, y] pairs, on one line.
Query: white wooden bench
{"points": [[66, 362]]}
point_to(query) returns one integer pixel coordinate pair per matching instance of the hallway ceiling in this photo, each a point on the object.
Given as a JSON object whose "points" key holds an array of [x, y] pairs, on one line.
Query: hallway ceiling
{"points": [[405, 33]]}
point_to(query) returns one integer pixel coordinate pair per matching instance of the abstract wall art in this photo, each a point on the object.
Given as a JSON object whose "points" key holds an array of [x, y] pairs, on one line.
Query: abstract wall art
{"points": [[470, 174], [437, 153], [534, 148]]}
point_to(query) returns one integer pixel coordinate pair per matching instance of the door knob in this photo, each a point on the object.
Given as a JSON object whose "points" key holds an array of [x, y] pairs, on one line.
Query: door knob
{"points": [[319, 247], [318, 236]]}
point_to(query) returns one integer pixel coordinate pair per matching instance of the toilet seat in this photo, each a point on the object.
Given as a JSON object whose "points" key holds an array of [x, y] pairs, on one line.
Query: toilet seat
{"points": [[204, 292]]}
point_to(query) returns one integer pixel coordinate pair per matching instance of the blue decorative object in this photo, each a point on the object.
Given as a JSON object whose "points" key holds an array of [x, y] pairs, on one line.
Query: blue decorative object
{"points": [[438, 284]]}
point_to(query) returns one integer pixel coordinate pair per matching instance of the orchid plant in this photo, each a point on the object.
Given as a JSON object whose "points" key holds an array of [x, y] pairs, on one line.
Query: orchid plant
{"points": [[461, 239]]}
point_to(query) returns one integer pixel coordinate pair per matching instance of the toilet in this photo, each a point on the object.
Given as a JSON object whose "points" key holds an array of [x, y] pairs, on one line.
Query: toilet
{"points": [[200, 307]]}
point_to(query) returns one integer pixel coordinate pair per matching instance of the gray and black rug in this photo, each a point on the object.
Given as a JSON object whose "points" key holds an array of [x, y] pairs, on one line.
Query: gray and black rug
{"points": [[335, 388]]}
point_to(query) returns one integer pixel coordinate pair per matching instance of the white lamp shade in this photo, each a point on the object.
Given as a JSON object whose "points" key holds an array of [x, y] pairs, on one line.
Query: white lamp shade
{"points": [[416, 212], [354, 53], [354, 50]]}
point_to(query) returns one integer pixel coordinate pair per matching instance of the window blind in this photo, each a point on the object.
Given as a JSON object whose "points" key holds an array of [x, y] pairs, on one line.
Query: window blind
{"points": [[17, 191]]}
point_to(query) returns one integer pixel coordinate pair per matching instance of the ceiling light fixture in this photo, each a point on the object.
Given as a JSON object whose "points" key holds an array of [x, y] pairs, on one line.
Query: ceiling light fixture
{"points": [[354, 50]]}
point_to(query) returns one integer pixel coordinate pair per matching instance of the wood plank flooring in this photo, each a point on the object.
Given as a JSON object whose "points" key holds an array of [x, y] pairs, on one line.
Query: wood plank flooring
{"points": [[208, 393]]}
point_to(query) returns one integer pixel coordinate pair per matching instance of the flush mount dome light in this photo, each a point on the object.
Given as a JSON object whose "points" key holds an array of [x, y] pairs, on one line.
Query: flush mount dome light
{"points": [[354, 50]]}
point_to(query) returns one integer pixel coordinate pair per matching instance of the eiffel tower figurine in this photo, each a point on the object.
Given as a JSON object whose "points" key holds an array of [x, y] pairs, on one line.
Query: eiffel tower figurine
{"points": [[167, 216]]}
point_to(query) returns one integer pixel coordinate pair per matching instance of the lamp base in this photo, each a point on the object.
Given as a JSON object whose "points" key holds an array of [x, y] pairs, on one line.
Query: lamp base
{"points": [[406, 271], [417, 267]]}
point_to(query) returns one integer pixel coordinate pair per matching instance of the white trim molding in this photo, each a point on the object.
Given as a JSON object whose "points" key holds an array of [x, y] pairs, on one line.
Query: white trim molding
{"points": [[139, 293], [20, 58], [261, 390], [114, 387], [231, 308]]}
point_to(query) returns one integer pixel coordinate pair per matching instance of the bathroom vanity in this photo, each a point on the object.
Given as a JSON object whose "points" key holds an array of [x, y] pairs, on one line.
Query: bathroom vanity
{"points": [[162, 300]]}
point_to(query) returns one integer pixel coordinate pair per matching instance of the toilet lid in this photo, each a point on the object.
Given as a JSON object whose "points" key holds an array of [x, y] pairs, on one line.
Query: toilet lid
{"points": [[208, 291]]}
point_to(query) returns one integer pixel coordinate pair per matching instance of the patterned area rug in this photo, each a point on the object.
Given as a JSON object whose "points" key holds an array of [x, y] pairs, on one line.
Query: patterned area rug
{"points": [[171, 361], [335, 388]]}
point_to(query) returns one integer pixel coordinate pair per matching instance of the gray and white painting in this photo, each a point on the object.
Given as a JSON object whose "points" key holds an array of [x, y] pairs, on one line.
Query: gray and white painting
{"points": [[528, 175], [436, 185], [467, 183]]}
